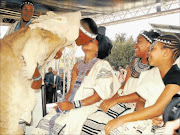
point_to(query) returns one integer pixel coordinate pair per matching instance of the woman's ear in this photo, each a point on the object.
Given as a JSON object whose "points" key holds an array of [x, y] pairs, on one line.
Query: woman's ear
{"points": [[167, 52]]}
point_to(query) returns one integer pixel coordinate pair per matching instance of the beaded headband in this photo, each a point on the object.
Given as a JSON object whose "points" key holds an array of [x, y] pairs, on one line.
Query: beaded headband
{"points": [[26, 2], [87, 33], [146, 37], [163, 41]]}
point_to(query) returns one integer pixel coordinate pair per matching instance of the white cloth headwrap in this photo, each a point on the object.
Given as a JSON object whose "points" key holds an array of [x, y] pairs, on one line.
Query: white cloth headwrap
{"points": [[87, 33]]}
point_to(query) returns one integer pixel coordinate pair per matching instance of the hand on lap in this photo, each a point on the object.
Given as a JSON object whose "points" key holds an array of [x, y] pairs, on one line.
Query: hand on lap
{"points": [[111, 125], [106, 104]]}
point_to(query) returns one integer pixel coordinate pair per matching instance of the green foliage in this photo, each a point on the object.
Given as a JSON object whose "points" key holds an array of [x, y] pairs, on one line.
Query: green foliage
{"points": [[122, 51]]}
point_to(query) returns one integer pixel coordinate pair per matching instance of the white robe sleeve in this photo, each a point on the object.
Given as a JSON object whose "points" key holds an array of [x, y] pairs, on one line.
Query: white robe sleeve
{"points": [[106, 83], [151, 86]]}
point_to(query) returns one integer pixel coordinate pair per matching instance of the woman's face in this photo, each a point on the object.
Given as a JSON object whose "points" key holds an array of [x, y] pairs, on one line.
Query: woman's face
{"points": [[27, 12], [155, 55], [141, 47], [83, 39], [92, 46]]}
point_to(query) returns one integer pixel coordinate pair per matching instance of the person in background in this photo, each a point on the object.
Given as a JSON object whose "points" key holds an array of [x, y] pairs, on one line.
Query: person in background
{"points": [[114, 69], [54, 84], [46, 81], [61, 83], [121, 74], [27, 11]]}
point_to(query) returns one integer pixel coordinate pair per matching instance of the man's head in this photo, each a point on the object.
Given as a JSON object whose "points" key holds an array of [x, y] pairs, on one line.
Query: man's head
{"points": [[54, 72], [50, 69], [27, 10], [61, 75]]}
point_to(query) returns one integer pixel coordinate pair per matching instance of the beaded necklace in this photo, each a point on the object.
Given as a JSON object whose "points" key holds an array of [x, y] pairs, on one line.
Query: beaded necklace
{"points": [[138, 68], [83, 69]]}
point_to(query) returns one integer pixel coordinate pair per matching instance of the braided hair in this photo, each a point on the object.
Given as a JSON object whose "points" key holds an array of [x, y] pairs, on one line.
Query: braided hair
{"points": [[172, 42]]}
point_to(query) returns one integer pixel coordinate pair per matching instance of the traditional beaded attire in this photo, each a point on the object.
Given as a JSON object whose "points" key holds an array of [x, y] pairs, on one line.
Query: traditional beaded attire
{"points": [[138, 68]]}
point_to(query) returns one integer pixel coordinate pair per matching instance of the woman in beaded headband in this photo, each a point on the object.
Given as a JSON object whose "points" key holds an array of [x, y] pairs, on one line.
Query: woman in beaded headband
{"points": [[140, 62], [169, 41], [144, 41], [27, 10]]}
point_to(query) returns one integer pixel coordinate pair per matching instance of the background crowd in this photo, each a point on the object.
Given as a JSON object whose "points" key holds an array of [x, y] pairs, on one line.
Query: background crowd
{"points": [[53, 85]]}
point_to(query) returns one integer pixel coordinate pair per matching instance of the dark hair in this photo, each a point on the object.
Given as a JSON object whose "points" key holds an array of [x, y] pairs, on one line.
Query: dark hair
{"points": [[92, 25], [26, 2], [150, 35], [104, 43]]}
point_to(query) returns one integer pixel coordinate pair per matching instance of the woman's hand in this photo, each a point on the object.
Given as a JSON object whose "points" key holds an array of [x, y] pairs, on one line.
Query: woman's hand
{"points": [[112, 124], [66, 105], [157, 121], [67, 97], [106, 104]]}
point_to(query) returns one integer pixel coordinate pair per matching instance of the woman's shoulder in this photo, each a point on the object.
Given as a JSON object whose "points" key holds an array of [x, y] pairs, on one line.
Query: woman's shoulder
{"points": [[103, 63], [173, 76]]}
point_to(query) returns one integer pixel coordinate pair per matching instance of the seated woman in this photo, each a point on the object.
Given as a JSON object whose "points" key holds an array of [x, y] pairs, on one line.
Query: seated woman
{"points": [[139, 64], [118, 105], [92, 80], [164, 53]]}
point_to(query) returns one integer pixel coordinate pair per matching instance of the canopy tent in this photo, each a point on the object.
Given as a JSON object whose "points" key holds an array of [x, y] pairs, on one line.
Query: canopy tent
{"points": [[105, 12]]}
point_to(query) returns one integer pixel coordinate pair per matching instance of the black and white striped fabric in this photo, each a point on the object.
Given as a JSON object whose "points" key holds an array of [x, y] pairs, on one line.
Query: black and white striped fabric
{"points": [[57, 129], [158, 130], [96, 122], [118, 109]]}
